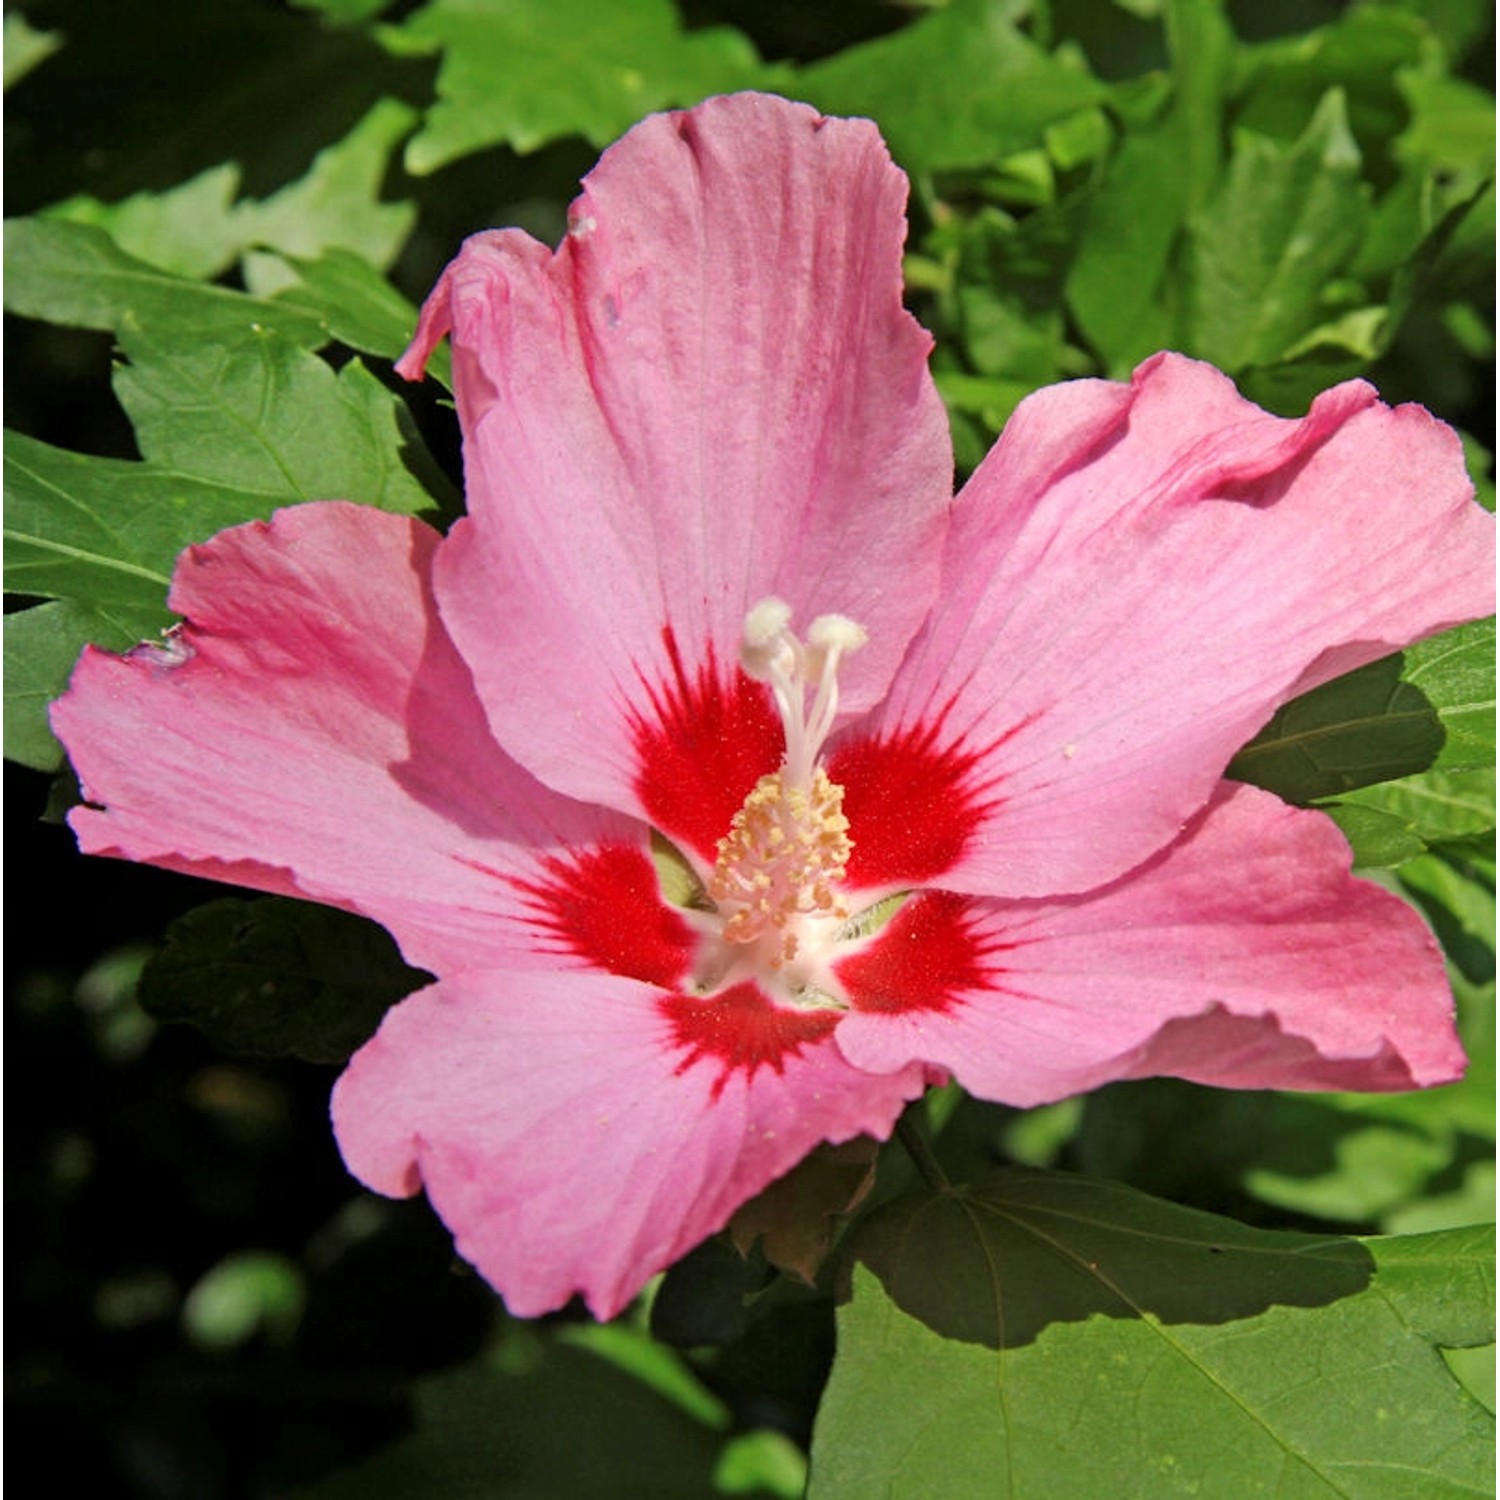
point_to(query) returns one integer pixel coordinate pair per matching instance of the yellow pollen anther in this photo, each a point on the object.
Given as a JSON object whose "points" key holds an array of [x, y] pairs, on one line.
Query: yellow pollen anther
{"points": [[785, 849]]}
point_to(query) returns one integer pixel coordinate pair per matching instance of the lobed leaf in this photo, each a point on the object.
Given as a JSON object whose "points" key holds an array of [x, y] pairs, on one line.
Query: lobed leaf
{"points": [[360, 307], [231, 429], [960, 88], [264, 417], [197, 228], [533, 71], [1041, 1335], [75, 274]]}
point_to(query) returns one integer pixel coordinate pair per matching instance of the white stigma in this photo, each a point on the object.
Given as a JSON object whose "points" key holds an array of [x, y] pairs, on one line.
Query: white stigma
{"points": [[770, 653]]}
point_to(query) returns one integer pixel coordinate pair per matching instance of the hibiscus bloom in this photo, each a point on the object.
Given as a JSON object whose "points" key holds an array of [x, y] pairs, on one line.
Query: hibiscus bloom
{"points": [[735, 780]]}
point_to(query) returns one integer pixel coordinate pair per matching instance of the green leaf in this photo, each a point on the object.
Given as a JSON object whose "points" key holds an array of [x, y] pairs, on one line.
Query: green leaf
{"points": [[1378, 840], [1371, 725], [1362, 53], [565, 1423], [1117, 283], [76, 275], [252, 1292], [960, 88], [1043, 1335], [41, 645], [231, 432], [26, 47], [268, 419], [188, 230], [360, 307], [1364, 1159], [197, 229], [532, 71], [150, 93], [1455, 671], [1456, 890], [1452, 125], [1260, 252], [345, 12], [277, 978], [338, 204], [762, 1463], [1437, 806], [99, 529], [1202, 48], [633, 1350]]}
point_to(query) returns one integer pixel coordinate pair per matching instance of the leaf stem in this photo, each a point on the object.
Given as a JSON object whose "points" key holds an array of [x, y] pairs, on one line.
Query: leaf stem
{"points": [[914, 1138]]}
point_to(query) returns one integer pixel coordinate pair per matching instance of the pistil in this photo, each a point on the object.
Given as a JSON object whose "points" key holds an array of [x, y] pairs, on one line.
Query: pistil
{"points": [[776, 877]]}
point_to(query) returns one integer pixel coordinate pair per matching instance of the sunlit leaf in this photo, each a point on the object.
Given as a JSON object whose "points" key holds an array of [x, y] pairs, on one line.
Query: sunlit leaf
{"points": [[1455, 671], [76, 275], [188, 230], [245, 1294], [530, 71], [961, 87], [1261, 250], [1065, 1337], [148, 94], [198, 228], [26, 47], [361, 308], [235, 431], [1116, 284], [338, 203], [266, 418], [1201, 44], [1363, 53], [230, 430], [1437, 805]]}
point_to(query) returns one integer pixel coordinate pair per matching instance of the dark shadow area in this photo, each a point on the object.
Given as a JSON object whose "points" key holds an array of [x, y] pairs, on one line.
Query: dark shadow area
{"points": [[140, 1160], [262, 85]]}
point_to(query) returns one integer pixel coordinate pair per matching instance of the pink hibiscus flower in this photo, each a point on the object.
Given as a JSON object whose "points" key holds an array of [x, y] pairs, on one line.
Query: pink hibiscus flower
{"points": [[734, 779]]}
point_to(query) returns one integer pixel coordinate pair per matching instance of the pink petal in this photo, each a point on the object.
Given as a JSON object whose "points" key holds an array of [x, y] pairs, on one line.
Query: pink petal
{"points": [[577, 1136], [1244, 956], [710, 394], [312, 731], [1137, 577]]}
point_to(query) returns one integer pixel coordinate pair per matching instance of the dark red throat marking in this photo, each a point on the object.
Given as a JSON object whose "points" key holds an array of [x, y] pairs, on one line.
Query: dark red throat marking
{"points": [[741, 1031], [604, 906], [925, 958], [708, 738]]}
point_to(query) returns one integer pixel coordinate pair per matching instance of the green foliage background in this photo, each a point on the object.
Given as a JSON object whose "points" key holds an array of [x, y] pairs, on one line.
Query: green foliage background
{"points": [[222, 219]]}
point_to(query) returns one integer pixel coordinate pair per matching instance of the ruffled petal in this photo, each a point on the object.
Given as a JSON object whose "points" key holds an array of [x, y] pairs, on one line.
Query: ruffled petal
{"points": [[1245, 956], [311, 731], [1139, 576], [710, 394], [580, 1132]]}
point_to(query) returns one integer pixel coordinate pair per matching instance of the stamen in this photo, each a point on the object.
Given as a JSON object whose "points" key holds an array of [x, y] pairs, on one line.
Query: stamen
{"points": [[786, 849], [789, 845]]}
